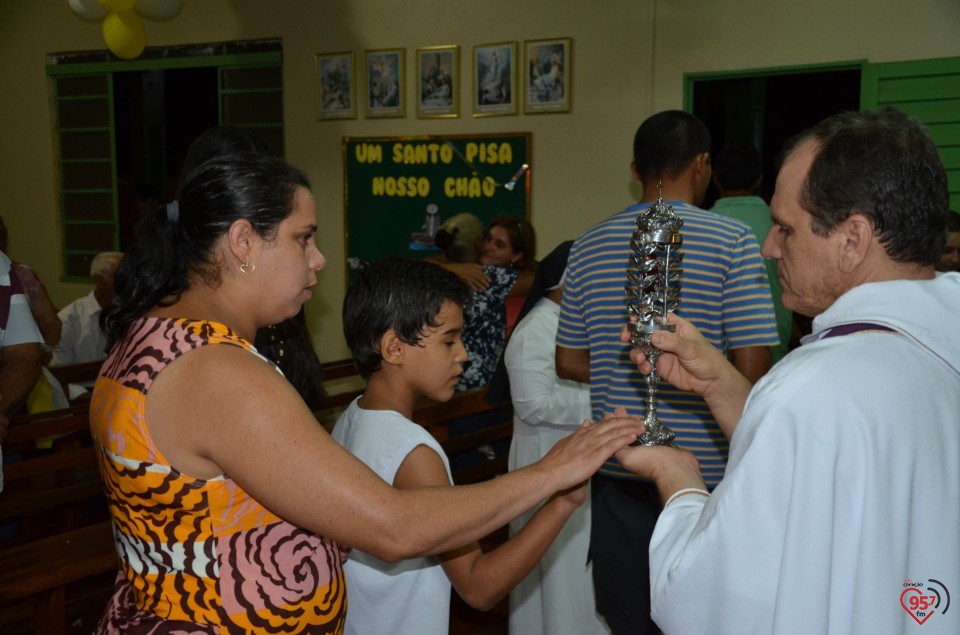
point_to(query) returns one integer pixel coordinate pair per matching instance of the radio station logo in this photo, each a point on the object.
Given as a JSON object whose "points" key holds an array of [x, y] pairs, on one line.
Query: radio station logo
{"points": [[922, 600]]}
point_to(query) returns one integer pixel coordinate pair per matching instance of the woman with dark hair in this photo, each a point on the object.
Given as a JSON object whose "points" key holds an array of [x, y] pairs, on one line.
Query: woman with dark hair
{"points": [[498, 273], [288, 343], [511, 242], [229, 503], [484, 323]]}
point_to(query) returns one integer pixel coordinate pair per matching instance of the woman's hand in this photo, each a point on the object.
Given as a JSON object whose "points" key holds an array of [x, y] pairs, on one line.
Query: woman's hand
{"points": [[578, 456]]}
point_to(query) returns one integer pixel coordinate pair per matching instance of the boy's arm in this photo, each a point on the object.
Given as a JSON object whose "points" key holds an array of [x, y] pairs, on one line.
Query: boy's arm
{"points": [[482, 579]]}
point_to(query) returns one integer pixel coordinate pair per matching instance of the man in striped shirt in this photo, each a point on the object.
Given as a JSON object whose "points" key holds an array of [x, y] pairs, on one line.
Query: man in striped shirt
{"points": [[724, 292]]}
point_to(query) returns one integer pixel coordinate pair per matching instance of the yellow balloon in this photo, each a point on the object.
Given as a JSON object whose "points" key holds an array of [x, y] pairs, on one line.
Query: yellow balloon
{"points": [[117, 6], [124, 35]]}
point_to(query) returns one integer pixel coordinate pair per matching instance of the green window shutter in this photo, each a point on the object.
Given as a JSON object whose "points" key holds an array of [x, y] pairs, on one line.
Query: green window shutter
{"points": [[250, 92], [251, 96], [88, 194], [930, 91]]}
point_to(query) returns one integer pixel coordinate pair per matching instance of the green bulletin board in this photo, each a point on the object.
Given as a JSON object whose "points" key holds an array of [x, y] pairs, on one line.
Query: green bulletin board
{"points": [[389, 183]]}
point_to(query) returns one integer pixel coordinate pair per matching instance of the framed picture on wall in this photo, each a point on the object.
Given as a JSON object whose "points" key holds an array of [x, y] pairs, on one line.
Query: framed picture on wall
{"points": [[438, 81], [336, 85], [495, 79], [385, 82], [549, 79]]}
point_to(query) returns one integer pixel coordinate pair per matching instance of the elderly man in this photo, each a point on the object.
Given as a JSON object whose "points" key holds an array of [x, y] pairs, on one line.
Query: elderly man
{"points": [[840, 506], [82, 339]]}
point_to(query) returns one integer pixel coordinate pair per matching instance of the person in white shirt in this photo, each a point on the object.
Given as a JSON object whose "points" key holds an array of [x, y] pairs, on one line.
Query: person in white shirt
{"points": [[556, 597], [839, 508], [20, 351], [82, 339], [403, 322]]}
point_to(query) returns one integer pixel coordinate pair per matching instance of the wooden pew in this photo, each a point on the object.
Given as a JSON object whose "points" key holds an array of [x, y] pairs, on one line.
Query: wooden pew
{"points": [[55, 520], [343, 374], [76, 373], [436, 417], [84, 374], [338, 369], [41, 571], [49, 489]]}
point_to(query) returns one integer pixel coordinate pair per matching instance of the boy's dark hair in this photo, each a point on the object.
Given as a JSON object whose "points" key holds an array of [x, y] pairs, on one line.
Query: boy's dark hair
{"points": [[400, 294], [737, 166]]}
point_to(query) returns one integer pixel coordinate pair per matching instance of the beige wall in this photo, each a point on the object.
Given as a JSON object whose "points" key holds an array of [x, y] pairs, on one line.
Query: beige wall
{"points": [[629, 58]]}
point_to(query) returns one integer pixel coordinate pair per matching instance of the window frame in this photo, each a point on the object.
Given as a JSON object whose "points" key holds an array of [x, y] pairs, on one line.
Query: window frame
{"points": [[225, 57]]}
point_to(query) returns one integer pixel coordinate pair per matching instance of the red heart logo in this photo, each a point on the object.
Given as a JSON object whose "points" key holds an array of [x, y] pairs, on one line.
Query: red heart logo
{"points": [[922, 605]]}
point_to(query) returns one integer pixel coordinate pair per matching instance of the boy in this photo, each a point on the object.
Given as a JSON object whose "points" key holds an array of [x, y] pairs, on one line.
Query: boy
{"points": [[402, 321]]}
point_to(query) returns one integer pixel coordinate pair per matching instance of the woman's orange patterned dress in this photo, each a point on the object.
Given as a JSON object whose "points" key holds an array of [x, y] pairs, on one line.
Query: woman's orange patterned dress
{"points": [[197, 556]]}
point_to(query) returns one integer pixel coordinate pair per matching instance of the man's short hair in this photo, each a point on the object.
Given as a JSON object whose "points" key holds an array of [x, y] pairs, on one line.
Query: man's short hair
{"points": [[737, 166], [667, 143], [105, 263], [400, 294], [885, 166]]}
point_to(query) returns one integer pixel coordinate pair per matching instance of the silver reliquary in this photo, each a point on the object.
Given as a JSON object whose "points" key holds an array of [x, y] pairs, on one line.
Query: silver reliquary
{"points": [[653, 289]]}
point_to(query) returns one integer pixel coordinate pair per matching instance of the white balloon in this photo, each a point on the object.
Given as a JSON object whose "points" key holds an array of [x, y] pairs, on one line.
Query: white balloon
{"points": [[159, 10], [89, 10]]}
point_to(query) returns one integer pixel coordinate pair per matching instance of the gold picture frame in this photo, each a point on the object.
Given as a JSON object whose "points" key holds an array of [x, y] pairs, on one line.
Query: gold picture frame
{"points": [[336, 85], [385, 79], [495, 68], [548, 81], [438, 81]]}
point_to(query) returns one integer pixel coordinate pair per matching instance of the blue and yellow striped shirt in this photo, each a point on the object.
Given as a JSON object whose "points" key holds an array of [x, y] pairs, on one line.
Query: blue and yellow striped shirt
{"points": [[724, 292]]}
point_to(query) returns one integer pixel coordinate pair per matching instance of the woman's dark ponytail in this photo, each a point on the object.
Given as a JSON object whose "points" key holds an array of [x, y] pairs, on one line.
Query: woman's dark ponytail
{"points": [[175, 245], [154, 270]]}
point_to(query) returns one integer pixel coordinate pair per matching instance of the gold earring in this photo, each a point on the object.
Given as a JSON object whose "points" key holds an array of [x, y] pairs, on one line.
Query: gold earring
{"points": [[247, 267]]}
